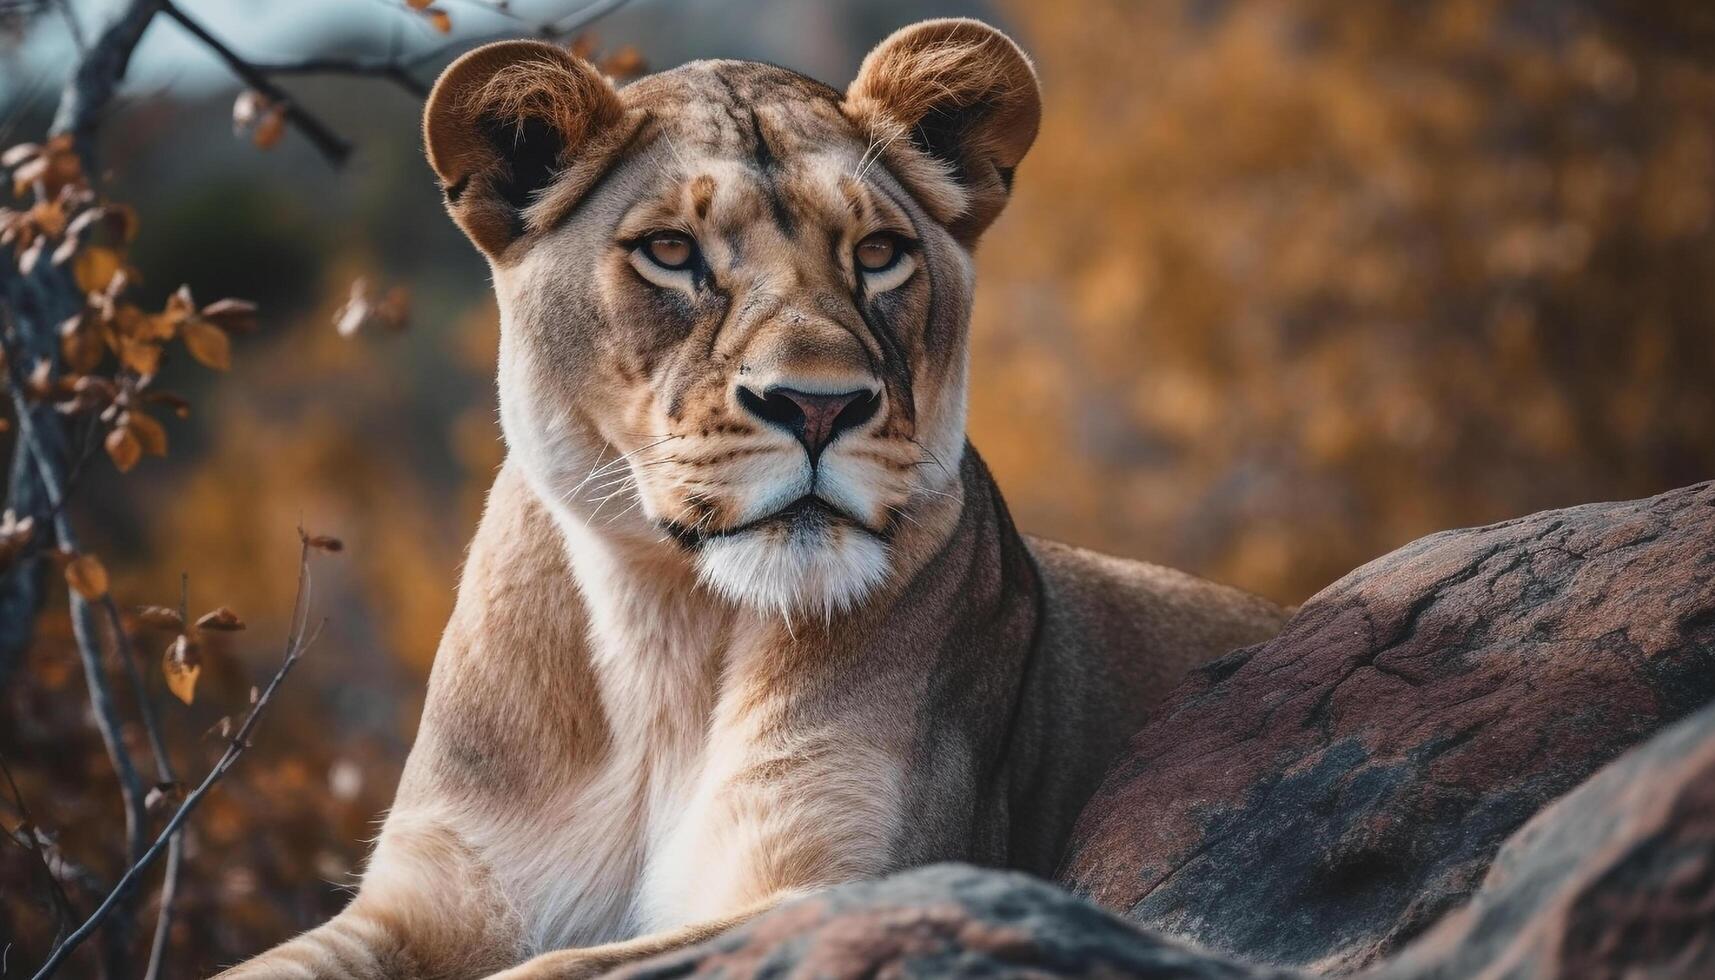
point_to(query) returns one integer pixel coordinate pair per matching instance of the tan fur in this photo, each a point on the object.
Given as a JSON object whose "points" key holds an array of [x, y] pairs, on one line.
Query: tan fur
{"points": [[947, 69], [667, 700]]}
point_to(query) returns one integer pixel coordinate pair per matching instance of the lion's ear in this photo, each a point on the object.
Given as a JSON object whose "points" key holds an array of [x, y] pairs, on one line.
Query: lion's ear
{"points": [[963, 94], [517, 131]]}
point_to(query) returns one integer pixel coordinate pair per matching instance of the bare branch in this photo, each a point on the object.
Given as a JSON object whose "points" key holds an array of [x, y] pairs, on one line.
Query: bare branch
{"points": [[98, 74], [391, 71], [86, 632], [330, 145], [74, 27], [298, 639], [399, 72], [44, 298]]}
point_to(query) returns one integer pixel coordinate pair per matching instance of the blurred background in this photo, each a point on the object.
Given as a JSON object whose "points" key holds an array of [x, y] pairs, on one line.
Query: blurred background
{"points": [[1284, 285]]}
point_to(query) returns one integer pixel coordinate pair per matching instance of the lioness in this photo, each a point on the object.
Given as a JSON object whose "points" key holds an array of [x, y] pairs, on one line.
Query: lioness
{"points": [[746, 617]]}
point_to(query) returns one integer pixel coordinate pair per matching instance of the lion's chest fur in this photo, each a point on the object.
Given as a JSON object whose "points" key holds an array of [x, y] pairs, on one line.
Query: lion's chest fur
{"points": [[656, 658], [652, 832], [618, 754]]}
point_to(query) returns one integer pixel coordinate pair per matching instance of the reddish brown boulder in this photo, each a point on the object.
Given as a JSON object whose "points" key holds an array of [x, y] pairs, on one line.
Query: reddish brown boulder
{"points": [[1322, 798], [1616, 879], [944, 921]]}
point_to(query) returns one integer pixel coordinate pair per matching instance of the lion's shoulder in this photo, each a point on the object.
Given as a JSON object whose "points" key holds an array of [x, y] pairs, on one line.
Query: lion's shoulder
{"points": [[1172, 619]]}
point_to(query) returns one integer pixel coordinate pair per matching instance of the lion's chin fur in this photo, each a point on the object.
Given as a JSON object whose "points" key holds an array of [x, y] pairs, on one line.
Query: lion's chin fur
{"points": [[806, 572]]}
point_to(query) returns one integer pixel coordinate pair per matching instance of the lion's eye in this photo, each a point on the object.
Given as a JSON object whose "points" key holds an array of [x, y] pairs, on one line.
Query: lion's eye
{"points": [[670, 249], [878, 252]]}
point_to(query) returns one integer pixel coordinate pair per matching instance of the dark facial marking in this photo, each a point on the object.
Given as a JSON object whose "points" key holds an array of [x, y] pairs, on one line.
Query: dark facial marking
{"points": [[895, 372], [762, 155], [769, 167]]}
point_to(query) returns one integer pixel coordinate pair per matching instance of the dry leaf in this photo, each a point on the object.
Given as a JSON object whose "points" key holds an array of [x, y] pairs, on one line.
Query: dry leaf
{"points": [[208, 344], [438, 19], [56, 167], [181, 306], [81, 345], [161, 617], [627, 62], [95, 268], [40, 383], [18, 154], [325, 542], [49, 218], [269, 130], [247, 109], [67, 248], [362, 309], [27, 174], [14, 535], [141, 356], [147, 432], [123, 448], [181, 665], [28, 258], [162, 795], [349, 319], [222, 620], [87, 576], [121, 220], [231, 315], [419, 4]]}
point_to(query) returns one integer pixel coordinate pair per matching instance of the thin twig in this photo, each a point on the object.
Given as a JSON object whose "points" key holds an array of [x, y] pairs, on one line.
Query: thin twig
{"points": [[176, 847], [57, 898], [163, 773], [298, 640], [73, 26]]}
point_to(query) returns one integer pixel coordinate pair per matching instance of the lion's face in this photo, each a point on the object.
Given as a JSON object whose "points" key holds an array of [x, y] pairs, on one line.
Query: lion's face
{"points": [[734, 324]]}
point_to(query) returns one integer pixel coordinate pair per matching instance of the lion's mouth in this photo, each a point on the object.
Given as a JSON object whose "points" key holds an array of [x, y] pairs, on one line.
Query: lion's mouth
{"points": [[807, 515]]}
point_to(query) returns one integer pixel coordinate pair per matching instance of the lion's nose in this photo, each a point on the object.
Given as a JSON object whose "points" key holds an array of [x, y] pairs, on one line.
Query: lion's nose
{"points": [[814, 418]]}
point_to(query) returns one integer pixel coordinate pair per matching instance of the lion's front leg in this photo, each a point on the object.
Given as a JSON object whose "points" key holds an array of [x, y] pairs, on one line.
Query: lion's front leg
{"points": [[425, 910]]}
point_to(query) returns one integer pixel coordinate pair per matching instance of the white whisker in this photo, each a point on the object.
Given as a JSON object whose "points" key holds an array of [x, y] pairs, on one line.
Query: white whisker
{"points": [[607, 469]]}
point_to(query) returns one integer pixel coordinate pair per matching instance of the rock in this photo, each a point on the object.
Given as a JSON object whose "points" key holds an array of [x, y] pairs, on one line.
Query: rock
{"points": [[947, 920], [1322, 798], [1615, 879]]}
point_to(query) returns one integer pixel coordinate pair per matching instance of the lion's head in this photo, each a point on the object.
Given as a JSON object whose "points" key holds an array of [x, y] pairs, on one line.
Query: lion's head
{"points": [[734, 301]]}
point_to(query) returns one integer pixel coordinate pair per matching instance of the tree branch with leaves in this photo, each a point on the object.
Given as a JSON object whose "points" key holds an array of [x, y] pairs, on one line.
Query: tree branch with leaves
{"points": [[80, 361]]}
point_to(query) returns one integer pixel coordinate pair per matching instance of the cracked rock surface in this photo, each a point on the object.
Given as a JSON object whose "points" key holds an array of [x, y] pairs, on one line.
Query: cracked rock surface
{"points": [[1320, 799], [948, 920], [1616, 879]]}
